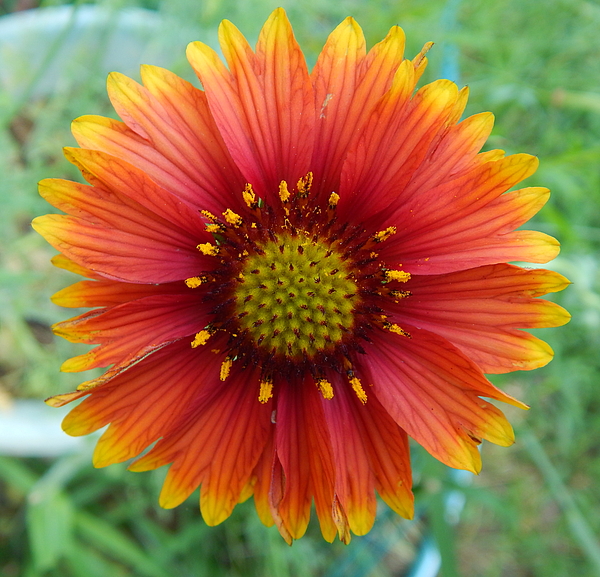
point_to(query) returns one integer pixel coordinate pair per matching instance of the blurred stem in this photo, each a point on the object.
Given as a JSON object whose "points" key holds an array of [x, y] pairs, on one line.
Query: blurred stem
{"points": [[580, 528]]}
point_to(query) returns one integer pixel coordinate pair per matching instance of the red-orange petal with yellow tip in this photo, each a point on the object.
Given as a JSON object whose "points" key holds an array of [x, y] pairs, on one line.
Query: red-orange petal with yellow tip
{"points": [[138, 406], [347, 85], [354, 478], [129, 186], [119, 254], [394, 141], [61, 261], [452, 154], [304, 450], [173, 117], [216, 443], [117, 139], [124, 330], [108, 293], [263, 105], [386, 445], [262, 474], [479, 310], [433, 392]]}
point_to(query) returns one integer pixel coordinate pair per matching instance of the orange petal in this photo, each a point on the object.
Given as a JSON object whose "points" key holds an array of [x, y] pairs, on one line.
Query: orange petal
{"points": [[453, 153], [386, 445], [354, 479], [128, 185], [479, 309], [262, 473], [264, 107], [433, 392], [107, 293], [141, 404], [348, 84], [217, 444], [173, 116], [394, 141], [304, 451], [119, 254], [124, 331]]}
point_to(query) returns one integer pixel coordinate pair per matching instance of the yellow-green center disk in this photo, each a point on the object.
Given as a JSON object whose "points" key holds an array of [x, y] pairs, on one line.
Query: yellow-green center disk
{"points": [[297, 298]]}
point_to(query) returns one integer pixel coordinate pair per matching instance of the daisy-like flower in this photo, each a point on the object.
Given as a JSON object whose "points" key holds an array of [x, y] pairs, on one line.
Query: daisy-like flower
{"points": [[292, 273]]}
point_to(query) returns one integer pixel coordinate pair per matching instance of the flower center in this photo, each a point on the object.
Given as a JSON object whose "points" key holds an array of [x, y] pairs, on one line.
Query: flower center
{"points": [[294, 293], [296, 298]]}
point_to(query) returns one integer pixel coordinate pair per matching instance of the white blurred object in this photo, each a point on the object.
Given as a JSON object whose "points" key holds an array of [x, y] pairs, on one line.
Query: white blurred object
{"points": [[29, 428]]}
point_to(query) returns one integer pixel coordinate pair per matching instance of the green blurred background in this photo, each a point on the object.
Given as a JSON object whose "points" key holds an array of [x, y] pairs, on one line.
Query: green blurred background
{"points": [[533, 511]]}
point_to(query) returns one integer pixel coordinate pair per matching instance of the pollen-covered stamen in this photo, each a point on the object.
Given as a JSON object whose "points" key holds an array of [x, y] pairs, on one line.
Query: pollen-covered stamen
{"points": [[284, 193], [232, 218], [304, 184], [334, 198], [396, 275], [208, 249], [249, 197], [358, 388], [201, 338], [266, 390], [383, 235], [325, 388], [225, 368], [195, 281], [393, 328]]}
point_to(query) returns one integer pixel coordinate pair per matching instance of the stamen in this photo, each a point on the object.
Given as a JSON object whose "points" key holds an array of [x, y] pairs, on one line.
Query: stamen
{"points": [[400, 294], [209, 215], [225, 368], [249, 196], [303, 185], [397, 275], [195, 281], [284, 193], [213, 228], [334, 198], [393, 328], [266, 390], [232, 218], [208, 249], [358, 389], [383, 235], [326, 389], [201, 338]]}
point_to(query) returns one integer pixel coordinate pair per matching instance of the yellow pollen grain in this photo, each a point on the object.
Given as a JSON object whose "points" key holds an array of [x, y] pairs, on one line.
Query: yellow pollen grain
{"points": [[225, 368], [398, 275], [334, 198], [209, 215], [358, 389], [232, 218], [325, 388], [194, 282], [383, 235], [266, 391], [284, 193], [208, 249], [212, 228], [200, 339], [249, 196], [393, 328]]}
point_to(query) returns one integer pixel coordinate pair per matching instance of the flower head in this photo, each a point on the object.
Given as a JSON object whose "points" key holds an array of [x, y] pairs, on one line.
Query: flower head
{"points": [[292, 273]]}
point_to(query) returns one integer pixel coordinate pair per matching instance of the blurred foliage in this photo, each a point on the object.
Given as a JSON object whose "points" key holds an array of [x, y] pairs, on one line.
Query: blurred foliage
{"points": [[534, 509]]}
